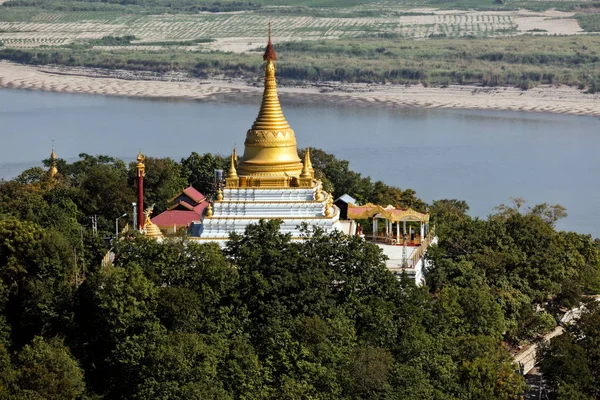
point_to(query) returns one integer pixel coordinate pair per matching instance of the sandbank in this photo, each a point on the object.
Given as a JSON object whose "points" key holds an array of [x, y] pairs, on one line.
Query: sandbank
{"points": [[560, 100]]}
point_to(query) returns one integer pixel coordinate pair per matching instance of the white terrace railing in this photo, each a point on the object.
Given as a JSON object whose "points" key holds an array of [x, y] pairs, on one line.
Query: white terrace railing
{"points": [[417, 251]]}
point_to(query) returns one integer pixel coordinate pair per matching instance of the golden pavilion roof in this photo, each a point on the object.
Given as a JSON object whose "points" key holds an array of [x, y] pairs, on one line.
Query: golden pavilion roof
{"points": [[390, 213]]}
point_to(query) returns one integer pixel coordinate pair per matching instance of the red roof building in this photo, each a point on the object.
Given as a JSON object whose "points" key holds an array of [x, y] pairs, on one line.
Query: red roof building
{"points": [[186, 207]]}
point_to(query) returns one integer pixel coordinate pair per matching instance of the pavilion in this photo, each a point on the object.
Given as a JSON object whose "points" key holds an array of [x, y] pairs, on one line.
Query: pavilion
{"points": [[397, 237]]}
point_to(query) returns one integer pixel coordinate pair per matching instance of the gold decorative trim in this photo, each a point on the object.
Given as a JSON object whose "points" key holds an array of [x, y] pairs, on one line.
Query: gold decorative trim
{"points": [[280, 138], [270, 188]]}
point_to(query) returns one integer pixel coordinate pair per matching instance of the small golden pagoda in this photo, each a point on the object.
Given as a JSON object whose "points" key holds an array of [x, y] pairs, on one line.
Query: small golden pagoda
{"points": [[53, 169]]}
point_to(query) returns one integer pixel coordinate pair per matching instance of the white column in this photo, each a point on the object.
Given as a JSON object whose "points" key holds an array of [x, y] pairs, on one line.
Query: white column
{"points": [[374, 226], [398, 231], [404, 227], [422, 231]]}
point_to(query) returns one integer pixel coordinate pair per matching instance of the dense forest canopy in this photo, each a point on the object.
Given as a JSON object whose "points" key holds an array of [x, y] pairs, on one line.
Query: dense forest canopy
{"points": [[272, 318]]}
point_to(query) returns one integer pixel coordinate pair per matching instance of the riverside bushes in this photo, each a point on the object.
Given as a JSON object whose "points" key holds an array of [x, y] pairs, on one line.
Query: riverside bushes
{"points": [[520, 61]]}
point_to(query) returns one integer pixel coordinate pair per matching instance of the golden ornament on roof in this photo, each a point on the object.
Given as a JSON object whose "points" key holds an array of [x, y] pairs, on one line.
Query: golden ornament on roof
{"points": [[319, 192], [140, 163], [150, 228], [306, 168], [232, 173], [329, 207]]}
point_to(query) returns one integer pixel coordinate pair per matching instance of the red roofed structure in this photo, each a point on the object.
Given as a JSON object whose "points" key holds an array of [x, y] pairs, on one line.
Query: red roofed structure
{"points": [[189, 195], [186, 207]]}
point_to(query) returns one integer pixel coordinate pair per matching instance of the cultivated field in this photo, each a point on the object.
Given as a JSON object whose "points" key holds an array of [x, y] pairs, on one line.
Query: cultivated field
{"points": [[244, 31], [355, 41]]}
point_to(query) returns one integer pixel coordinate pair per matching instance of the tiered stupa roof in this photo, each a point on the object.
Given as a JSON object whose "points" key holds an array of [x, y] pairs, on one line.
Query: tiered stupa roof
{"points": [[270, 146]]}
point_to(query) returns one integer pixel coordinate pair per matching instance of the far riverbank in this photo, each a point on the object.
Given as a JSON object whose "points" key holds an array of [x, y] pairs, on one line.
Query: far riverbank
{"points": [[559, 100]]}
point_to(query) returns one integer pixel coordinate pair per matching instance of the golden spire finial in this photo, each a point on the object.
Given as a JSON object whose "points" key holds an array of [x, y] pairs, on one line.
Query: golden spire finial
{"points": [[305, 168], [53, 169], [209, 211], [270, 117], [270, 50], [140, 163], [308, 162], [232, 173]]}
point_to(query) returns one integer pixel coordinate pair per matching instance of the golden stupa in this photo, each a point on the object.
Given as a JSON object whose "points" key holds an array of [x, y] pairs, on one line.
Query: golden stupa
{"points": [[270, 155], [269, 181], [53, 169]]}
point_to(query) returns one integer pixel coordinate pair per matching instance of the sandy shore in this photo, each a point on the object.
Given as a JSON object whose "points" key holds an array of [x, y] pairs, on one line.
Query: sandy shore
{"points": [[562, 100]]}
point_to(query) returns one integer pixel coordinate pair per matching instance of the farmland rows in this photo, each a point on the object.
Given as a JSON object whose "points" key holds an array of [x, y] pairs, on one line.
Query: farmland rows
{"points": [[37, 42], [62, 28]]}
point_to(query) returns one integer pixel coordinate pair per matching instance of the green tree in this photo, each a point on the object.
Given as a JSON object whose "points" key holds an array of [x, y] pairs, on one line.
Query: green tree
{"points": [[163, 179], [47, 370], [116, 314], [181, 366], [195, 281], [446, 210], [571, 361], [369, 371], [32, 176], [199, 171], [36, 271], [101, 186], [383, 194], [7, 374], [343, 180]]}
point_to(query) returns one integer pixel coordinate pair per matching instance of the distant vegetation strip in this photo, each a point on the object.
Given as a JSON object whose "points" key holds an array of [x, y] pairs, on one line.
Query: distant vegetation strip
{"points": [[156, 6], [127, 40], [589, 22], [521, 61], [330, 8]]}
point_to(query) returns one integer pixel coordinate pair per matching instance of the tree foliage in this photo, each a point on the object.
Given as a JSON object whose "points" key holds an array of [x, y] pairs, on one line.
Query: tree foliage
{"points": [[571, 362], [518, 257], [272, 317]]}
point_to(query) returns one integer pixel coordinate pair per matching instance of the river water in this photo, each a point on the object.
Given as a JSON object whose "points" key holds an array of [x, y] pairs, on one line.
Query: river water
{"points": [[482, 157]]}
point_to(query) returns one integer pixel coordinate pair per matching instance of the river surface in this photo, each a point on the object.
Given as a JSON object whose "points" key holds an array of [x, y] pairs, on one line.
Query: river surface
{"points": [[482, 157]]}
